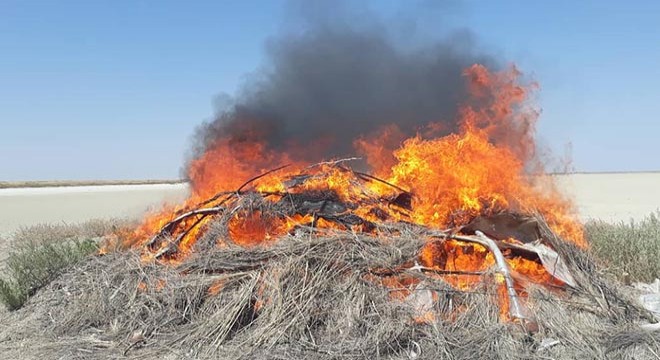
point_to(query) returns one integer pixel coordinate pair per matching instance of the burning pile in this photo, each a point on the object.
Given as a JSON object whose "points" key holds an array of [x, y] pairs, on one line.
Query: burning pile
{"points": [[469, 194], [440, 182]]}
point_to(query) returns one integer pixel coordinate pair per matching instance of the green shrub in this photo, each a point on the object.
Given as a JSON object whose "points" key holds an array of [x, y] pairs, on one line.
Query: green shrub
{"points": [[10, 295], [29, 268], [40, 253], [630, 250]]}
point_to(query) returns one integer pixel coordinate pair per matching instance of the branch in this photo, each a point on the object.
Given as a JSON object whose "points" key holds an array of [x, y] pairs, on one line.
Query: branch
{"points": [[238, 191], [365, 176], [170, 225], [444, 272], [334, 162]]}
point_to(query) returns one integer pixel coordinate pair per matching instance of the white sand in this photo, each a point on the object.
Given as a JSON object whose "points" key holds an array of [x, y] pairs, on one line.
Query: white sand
{"points": [[28, 206], [611, 197]]}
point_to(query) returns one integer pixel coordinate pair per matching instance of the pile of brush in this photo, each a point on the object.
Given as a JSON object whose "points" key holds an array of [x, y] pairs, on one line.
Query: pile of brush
{"points": [[321, 294], [246, 215]]}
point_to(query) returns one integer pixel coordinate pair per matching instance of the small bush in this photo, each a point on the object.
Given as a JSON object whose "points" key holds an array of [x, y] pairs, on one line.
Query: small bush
{"points": [[631, 250], [40, 253], [47, 233], [30, 268]]}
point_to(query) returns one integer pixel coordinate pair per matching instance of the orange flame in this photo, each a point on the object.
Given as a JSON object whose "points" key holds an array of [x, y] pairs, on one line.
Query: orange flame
{"points": [[481, 169], [488, 165]]}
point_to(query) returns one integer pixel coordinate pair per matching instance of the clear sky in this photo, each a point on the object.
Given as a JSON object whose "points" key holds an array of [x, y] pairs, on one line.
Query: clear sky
{"points": [[114, 89]]}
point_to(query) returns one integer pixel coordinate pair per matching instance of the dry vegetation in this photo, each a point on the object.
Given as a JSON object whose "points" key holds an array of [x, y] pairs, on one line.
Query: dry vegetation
{"points": [[630, 250], [40, 253], [304, 297]]}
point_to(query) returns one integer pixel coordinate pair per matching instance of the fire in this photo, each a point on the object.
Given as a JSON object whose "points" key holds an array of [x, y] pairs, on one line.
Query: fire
{"points": [[256, 228], [460, 257], [486, 166], [482, 168]]}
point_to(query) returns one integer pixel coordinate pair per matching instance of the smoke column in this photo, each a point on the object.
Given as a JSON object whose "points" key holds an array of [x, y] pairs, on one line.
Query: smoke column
{"points": [[329, 83]]}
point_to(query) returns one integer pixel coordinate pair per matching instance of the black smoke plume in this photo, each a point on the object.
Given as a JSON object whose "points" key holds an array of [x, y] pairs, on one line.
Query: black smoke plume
{"points": [[329, 83]]}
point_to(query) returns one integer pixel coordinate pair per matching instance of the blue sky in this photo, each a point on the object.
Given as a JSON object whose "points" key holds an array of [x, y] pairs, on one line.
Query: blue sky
{"points": [[114, 89]]}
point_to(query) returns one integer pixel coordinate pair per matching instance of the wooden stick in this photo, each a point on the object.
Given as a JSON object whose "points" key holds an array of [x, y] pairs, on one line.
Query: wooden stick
{"points": [[334, 162], [445, 272], [517, 249], [246, 183], [170, 225], [366, 176], [174, 245], [417, 267], [238, 191]]}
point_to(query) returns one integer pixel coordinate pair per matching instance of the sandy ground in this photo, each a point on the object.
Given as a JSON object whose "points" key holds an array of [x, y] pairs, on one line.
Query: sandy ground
{"points": [[28, 206], [611, 197]]}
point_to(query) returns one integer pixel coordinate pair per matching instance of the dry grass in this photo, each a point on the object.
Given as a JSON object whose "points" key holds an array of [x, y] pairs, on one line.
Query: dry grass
{"points": [[308, 296], [630, 250]]}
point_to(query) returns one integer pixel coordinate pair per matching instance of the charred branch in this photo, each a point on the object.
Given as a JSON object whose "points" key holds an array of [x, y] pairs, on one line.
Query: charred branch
{"points": [[168, 228], [240, 188]]}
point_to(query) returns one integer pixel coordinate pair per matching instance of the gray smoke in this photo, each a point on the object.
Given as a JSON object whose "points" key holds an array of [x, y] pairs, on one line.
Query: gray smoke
{"points": [[330, 83]]}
